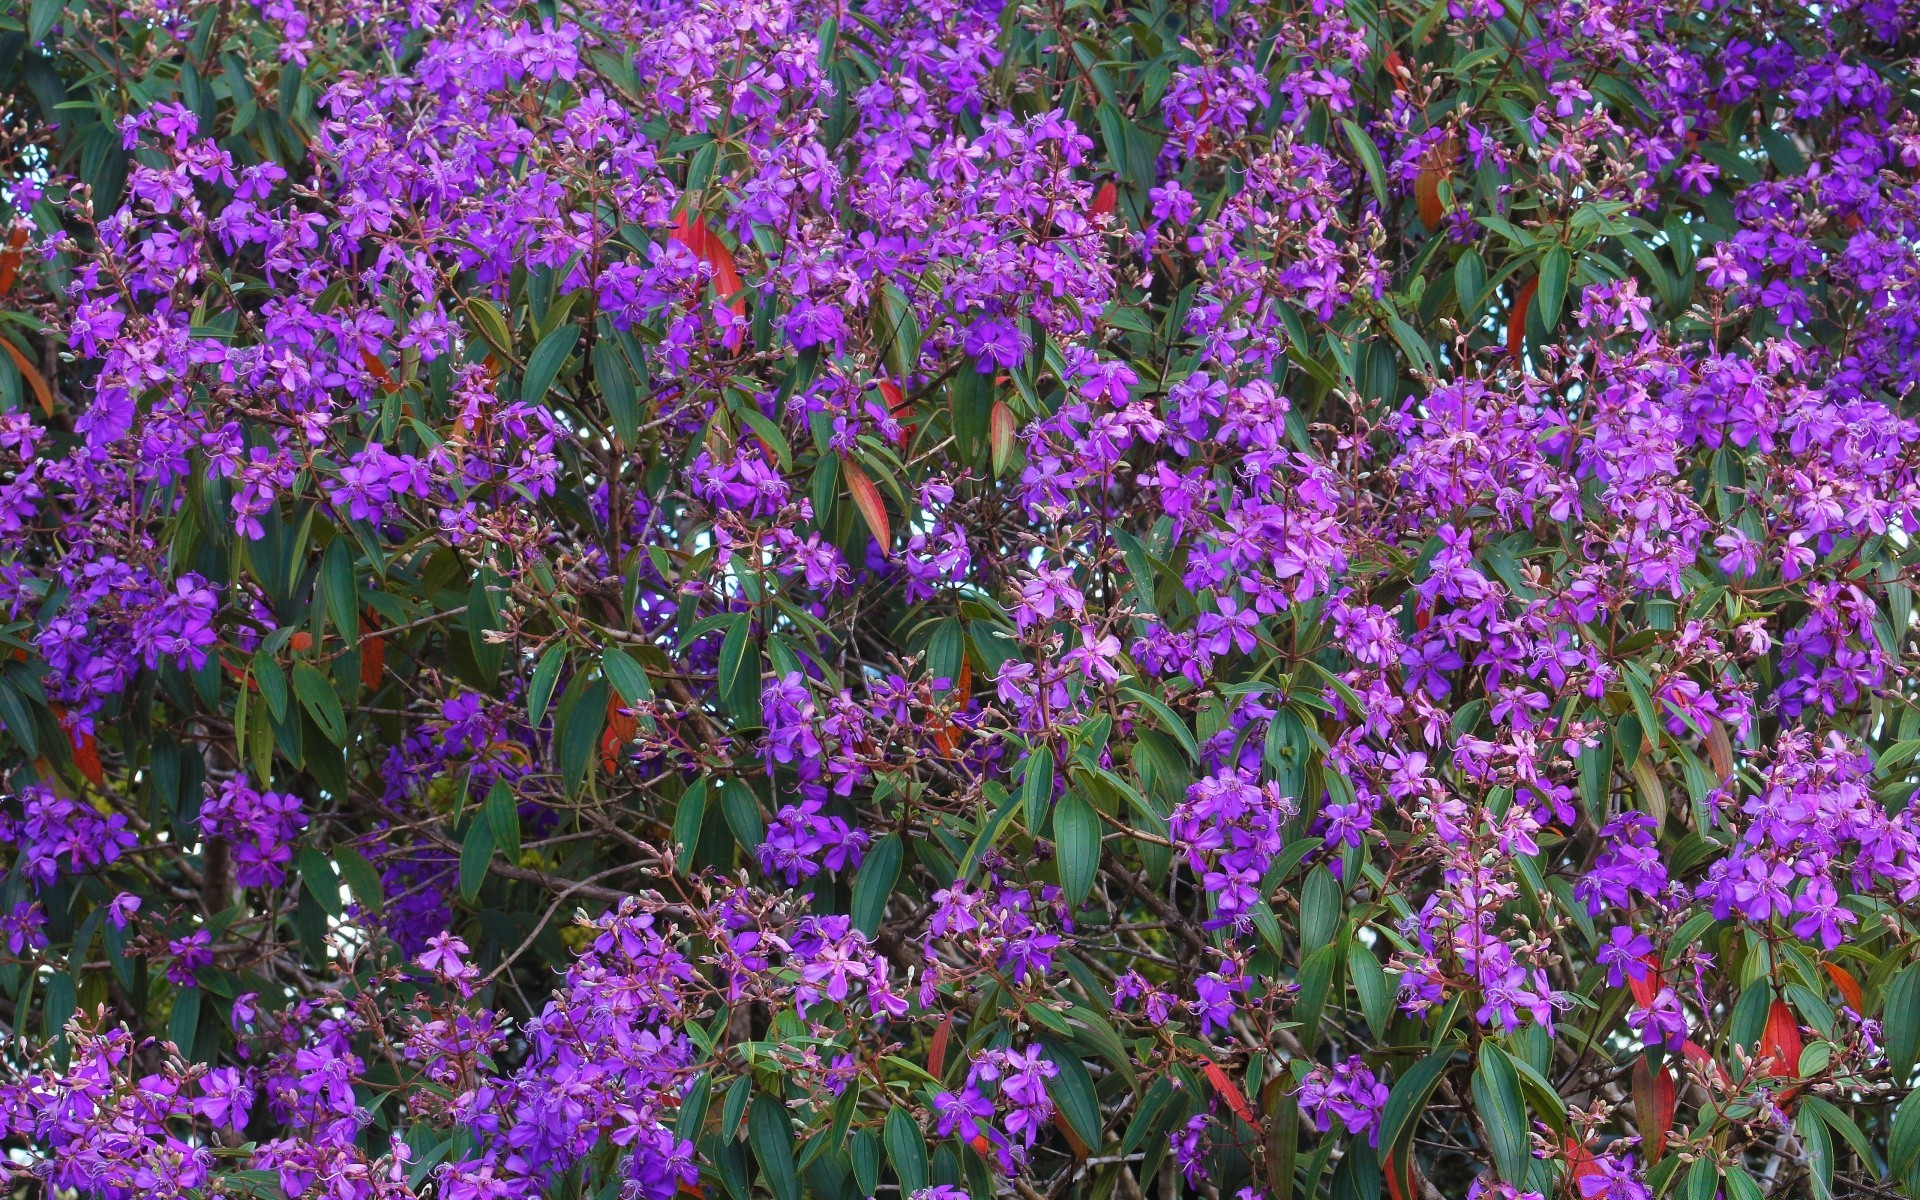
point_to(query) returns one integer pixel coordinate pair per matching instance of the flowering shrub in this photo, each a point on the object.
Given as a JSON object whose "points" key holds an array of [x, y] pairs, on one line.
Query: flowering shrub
{"points": [[960, 599]]}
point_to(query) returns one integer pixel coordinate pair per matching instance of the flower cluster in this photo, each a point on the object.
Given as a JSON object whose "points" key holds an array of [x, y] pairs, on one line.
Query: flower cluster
{"points": [[965, 599]]}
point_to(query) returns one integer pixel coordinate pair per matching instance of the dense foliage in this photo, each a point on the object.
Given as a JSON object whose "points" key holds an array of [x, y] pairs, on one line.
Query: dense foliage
{"points": [[959, 598]]}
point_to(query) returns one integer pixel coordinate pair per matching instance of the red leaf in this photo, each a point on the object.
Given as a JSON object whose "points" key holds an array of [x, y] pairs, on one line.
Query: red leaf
{"points": [[1074, 1143], [1230, 1092], [695, 236], [620, 729], [41, 391], [1648, 986], [1401, 1175], [1848, 985], [980, 1144], [898, 407], [866, 498], [373, 658], [1781, 1041], [12, 257], [380, 371], [1000, 430], [1104, 200], [301, 642], [86, 753], [1653, 1103], [1517, 319], [1580, 1163], [937, 1055]]}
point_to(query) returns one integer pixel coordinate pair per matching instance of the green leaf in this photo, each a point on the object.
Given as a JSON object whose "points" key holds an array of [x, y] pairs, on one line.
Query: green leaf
{"points": [[693, 1108], [361, 877], [1375, 990], [626, 676], [742, 810], [864, 1152], [688, 820], [1146, 1121], [184, 1020], [1369, 158], [318, 698], [1073, 1093], [873, 883], [734, 655], [907, 1150], [772, 1139], [1900, 1018], [1503, 1111], [503, 815], [577, 726], [1319, 909], [1036, 789], [540, 688], [1903, 1143], [342, 592], [1412, 344], [770, 435], [1169, 720], [1554, 269], [491, 326], [1841, 1124], [1408, 1099], [317, 873], [476, 852], [610, 370], [42, 16], [1076, 830]]}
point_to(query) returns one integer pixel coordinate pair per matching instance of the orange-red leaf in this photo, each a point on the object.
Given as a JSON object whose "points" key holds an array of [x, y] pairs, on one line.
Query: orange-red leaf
{"points": [[866, 498], [1397, 68], [301, 642], [898, 407], [86, 753], [1000, 430], [1647, 987], [12, 257], [1848, 985], [41, 391], [621, 725], [1104, 200], [692, 232], [373, 658], [937, 1055], [1580, 1163], [1719, 749], [1401, 1175], [86, 756], [1781, 1042], [1653, 1104], [1230, 1092], [1517, 319], [380, 371], [1074, 1143]]}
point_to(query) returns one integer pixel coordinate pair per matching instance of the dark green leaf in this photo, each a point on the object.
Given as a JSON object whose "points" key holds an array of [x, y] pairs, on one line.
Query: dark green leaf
{"points": [[318, 698], [476, 852], [873, 883], [543, 365], [772, 1138], [907, 1150], [1076, 829], [1503, 1112]]}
